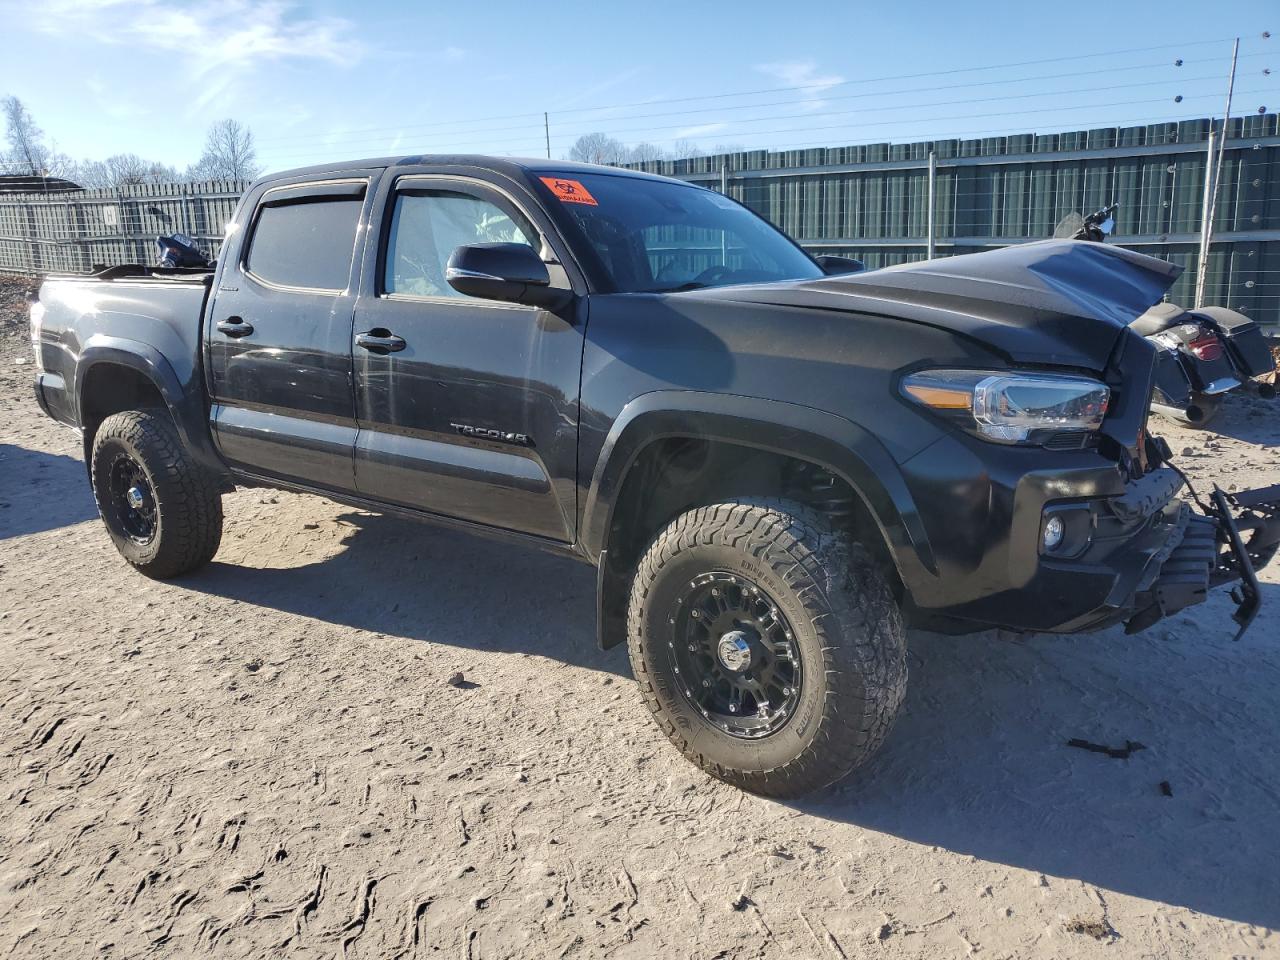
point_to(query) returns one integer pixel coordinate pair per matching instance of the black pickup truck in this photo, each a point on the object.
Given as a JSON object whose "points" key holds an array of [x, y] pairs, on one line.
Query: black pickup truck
{"points": [[773, 461]]}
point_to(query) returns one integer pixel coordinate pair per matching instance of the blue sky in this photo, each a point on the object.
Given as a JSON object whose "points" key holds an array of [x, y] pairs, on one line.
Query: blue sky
{"points": [[318, 81]]}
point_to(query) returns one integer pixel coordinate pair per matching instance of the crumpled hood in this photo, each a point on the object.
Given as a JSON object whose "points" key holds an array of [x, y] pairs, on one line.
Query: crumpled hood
{"points": [[1053, 301]]}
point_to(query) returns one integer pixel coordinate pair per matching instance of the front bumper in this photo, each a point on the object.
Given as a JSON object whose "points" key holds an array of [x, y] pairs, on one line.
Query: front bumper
{"points": [[1144, 555], [1211, 550], [1181, 553]]}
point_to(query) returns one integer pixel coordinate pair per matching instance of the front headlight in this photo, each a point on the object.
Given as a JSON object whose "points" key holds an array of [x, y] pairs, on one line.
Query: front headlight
{"points": [[1011, 407]]}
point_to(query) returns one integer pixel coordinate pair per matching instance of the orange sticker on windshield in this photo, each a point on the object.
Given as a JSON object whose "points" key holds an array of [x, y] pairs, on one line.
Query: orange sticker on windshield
{"points": [[569, 191]]}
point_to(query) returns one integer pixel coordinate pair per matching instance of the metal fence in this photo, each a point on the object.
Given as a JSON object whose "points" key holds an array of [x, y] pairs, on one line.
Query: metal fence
{"points": [[80, 231], [874, 201], [884, 203]]}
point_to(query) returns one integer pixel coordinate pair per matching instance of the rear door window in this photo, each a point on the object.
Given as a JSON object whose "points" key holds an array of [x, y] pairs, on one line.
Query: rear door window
{"points": [[305, 243]]}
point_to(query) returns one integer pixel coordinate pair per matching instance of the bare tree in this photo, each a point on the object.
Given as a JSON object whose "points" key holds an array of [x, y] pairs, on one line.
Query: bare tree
{"points": [[229, 153], [599, 148], [26, 140], [30, 153], [643, 152], [122, 169], [684, 149]]}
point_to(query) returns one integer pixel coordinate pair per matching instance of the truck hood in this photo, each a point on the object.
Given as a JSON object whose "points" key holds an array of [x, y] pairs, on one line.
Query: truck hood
{"points": [[1062, 302]]}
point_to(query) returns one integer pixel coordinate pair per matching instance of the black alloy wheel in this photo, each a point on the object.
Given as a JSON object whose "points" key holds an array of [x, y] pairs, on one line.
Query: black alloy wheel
{"points": [[737, 655], [767, 643], [162, 509], [132, 499]]}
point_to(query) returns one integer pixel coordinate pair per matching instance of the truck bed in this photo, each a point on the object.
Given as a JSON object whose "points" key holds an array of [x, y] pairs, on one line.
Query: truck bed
{"points": [[144, 311]]}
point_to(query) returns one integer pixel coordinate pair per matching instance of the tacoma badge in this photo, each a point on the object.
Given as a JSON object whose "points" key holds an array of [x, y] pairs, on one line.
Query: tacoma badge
{"points": [[483, 433]]}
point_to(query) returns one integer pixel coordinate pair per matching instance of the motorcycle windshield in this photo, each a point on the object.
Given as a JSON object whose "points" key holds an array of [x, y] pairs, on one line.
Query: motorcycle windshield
{"points": [[1069, 226]]}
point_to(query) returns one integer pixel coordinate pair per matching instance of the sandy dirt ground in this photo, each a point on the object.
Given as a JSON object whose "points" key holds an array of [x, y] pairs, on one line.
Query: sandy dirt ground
{"points": [[266, 759]]}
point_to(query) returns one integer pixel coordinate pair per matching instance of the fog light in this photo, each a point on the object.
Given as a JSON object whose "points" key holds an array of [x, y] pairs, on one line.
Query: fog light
{"points": [[1054, 528]]}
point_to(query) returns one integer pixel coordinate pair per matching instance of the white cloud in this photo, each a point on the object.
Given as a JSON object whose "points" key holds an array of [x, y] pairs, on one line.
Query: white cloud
{"points": [[590, 92], [805, 74], [209, 36], [701, 130], [110, 102]]}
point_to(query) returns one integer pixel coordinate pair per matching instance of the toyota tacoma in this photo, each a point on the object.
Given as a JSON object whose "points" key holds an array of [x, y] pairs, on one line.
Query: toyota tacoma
{"points": [[775, 462]]}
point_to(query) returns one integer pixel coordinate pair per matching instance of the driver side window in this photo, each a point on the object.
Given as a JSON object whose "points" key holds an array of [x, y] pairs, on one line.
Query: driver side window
{"points": [[428, 225]]}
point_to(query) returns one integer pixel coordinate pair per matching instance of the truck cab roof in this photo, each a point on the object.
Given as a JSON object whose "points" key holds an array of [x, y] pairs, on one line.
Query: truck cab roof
{"points": [[515, 167]]}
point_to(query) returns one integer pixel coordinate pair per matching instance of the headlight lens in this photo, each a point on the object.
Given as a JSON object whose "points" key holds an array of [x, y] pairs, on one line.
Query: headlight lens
{"points": [[1011, 407]]}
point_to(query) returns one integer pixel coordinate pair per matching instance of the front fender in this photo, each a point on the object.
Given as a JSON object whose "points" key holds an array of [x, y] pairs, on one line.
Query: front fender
{"points": [[185, 402], [832, 442]]}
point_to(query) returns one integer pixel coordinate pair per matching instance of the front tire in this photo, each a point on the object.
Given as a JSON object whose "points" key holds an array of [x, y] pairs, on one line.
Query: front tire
{"points": [[767, 645], [161, 509]]}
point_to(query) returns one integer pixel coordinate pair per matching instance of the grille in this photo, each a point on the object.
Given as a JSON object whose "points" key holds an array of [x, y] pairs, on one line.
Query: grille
{"points": [[1067, 440]]}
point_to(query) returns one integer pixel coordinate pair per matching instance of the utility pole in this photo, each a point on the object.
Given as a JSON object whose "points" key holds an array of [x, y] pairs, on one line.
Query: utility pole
{"points": [[931, 235], [1213, 178], [546, 129], [724, 192], [1206, 205]]}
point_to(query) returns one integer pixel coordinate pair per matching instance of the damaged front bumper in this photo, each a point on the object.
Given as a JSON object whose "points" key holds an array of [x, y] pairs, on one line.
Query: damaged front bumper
{"points": [[1131, 557], [1234, 536]]}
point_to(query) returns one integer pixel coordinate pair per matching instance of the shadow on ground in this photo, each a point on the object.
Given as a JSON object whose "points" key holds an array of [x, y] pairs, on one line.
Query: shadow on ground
{"points": [[41, 491], [978, 762], [423, 583]]}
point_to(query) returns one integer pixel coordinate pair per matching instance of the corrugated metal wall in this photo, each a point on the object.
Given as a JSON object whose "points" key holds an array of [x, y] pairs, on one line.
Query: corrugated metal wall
{"points": [[868, 201], [74, 232], [871, 201]]}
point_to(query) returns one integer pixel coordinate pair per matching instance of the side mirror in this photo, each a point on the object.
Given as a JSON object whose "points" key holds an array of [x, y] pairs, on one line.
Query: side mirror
{"points": [[511, 272], [833, 266]]}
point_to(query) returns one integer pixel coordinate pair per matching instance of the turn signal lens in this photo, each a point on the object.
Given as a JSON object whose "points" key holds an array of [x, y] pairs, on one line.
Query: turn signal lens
{"points": [[940, 398], [1011, 407]]}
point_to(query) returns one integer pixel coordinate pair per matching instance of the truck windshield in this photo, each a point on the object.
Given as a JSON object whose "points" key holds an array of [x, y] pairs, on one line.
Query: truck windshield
{"points": [[653, 236]]}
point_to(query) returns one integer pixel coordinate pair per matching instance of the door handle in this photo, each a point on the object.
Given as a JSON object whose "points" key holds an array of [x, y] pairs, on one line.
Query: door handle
{"points": [[380, 341], [235, 327]]}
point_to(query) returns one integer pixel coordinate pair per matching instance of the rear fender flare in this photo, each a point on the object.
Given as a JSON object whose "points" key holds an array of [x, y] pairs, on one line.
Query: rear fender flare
{"points": [[185, 405]]}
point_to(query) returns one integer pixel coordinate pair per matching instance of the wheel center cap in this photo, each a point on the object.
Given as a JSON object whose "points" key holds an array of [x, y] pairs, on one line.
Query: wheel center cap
{"points": [[135, 497], [734, 651]]}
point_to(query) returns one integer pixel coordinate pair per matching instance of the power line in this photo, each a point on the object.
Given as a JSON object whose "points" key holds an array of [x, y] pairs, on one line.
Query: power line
{"points": [[816, 86], [394, 132], [523, 144]]}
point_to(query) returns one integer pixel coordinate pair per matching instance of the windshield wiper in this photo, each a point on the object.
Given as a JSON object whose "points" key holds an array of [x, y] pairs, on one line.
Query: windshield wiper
{"points": [[681, 288]]}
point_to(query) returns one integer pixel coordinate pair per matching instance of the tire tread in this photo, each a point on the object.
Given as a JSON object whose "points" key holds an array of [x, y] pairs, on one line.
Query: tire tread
{"points": [[187, 496], [850, 607]]}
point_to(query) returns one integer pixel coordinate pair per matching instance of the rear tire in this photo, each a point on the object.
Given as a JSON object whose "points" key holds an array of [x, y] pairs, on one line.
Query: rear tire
{"points": [[161, 509], [766, 577]]}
